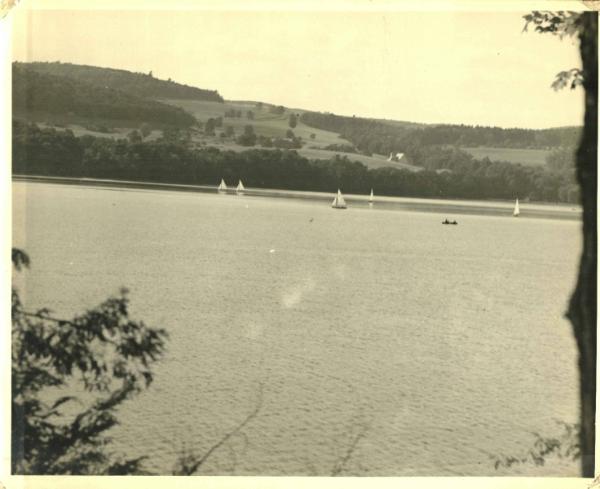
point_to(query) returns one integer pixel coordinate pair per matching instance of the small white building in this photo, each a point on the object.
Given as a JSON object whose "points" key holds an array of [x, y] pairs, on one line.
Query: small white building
{"points": [[396, 157]]}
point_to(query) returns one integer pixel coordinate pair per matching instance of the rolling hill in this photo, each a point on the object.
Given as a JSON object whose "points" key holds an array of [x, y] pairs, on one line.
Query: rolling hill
{"points": [[530, 157], [62, 100], [109, 102], [138, 84]]}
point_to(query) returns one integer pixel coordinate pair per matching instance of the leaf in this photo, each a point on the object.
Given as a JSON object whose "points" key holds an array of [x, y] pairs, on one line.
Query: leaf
{"points": [[20, 259], [62, 400]]}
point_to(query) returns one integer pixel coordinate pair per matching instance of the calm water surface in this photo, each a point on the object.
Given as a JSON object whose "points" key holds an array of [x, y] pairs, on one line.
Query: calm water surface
{"points": [[439, 344]]}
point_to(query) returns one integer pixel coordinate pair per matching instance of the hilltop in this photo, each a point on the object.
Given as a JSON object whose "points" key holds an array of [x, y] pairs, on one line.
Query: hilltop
{"points": [[271, 124], [514, 145], [60, 100], [138, 84], [111, 103]]}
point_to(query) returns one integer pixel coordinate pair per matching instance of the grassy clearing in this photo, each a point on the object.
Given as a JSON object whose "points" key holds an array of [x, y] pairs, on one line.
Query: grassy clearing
{"points": [[375, 161], [115, 132], [265, 123], [532, 157], [273, 125]]}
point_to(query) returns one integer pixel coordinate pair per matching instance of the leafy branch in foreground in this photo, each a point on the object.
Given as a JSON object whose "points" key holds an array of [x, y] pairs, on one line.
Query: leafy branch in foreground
{"points": [[572, 78], [562, 24], [566, 445], [107, 352], [582, 312]]}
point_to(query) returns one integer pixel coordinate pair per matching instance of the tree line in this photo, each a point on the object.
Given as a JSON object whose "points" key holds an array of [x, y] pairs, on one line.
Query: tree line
{"points": [[52, 152], [139, 84], [66, 98], [373, 136]]}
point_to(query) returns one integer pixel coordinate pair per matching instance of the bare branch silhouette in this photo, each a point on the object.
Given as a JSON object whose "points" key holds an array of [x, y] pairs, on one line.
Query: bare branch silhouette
{"points": [[341, 462], [188, 464]]}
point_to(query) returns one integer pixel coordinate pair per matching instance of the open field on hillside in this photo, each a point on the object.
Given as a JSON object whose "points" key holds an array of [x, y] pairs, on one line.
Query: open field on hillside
{"points": [[374, 161], [61, 121], [265, 123], [533, 157], [274, 125], [115, 132]]}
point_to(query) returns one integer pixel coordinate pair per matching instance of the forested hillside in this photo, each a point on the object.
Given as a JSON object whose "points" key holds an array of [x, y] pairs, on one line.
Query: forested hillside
{"points": [[451, 160], [383, 137], [37, 93], [171, 159], [139, 84]]}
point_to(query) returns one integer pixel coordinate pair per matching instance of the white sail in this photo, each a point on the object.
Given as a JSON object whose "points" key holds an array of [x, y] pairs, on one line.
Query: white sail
{"points": [[339, 202], [516, 212], [240, 187], [222, 185], [371, 197]]}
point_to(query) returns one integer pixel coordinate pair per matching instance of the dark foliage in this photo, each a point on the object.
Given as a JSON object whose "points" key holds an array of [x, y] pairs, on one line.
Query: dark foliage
{"points": [[103, 350], [583, 304], [343, 148], [264, 141], [59, 153], [138, 84], [384, 138], [277, 109], [209, 127], [35, 93], [248, 138], [293, 121], [564, 446], [561, 158], [582, 310], [291, 142]]}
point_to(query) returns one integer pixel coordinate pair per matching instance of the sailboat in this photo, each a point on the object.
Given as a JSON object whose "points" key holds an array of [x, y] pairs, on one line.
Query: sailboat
{"points": [[240, 188], [222, 186], [371, 198], [339, 202], [516, 212]]}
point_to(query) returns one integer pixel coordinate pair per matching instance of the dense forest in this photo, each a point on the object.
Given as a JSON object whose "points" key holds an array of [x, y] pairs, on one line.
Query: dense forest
{"points": [[65, 97], [139, 84], [371, 136], [171, 160]]}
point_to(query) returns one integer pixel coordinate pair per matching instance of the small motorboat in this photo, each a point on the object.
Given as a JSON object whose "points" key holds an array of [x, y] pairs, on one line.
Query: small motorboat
{"points": [[446, 221]]}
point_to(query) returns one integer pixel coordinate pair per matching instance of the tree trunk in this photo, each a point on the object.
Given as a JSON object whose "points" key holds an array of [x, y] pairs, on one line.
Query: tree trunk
{"points": [[582, 308]]}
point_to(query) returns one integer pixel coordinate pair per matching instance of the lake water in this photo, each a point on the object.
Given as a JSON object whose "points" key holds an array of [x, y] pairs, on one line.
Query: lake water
{"points": [[437, 346]]}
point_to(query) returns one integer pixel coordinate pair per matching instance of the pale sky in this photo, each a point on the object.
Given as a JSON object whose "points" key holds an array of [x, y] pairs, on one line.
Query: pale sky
{"points": [[433, 67]]}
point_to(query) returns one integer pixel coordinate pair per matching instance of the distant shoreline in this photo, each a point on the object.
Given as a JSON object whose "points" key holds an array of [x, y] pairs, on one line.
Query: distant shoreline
{"points": [[448, 206], [100, 182]]}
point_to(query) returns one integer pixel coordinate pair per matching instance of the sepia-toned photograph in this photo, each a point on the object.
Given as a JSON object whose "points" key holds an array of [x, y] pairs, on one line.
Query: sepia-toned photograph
{"points": [[252, 239]]}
